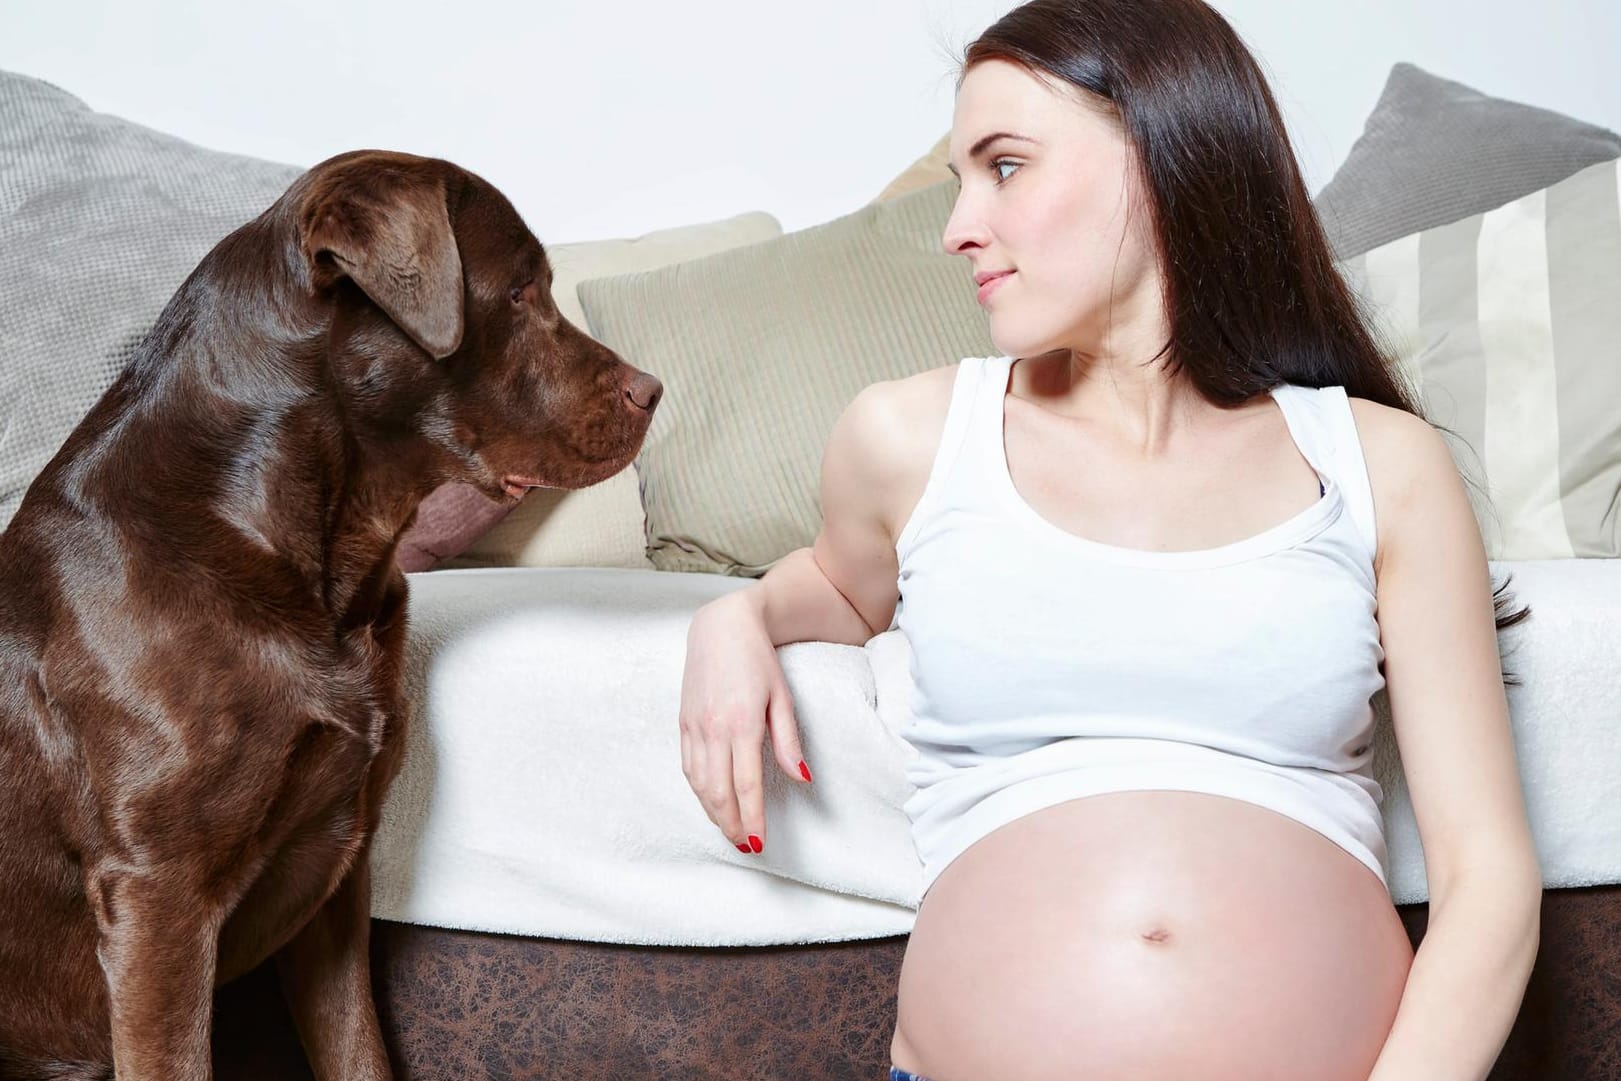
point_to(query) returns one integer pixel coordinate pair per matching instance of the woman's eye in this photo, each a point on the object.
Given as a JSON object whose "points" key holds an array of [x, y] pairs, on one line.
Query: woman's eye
{"points": [[997, 165]]}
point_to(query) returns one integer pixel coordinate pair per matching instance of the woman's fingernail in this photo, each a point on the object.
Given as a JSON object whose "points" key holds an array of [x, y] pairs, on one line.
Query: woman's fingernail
{"points": [[743, 848], [754, 843], [804, 770]]}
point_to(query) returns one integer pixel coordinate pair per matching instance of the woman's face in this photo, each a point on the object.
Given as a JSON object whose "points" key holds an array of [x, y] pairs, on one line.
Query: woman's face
{"points": [[1051, 207]]}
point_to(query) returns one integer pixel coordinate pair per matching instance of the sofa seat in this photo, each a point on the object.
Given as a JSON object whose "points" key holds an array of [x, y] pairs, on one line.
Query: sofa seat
{"points": [[542, 792]]}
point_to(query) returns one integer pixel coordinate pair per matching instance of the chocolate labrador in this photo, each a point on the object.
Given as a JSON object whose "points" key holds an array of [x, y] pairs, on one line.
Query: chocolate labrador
{"points": [[201, 618]]}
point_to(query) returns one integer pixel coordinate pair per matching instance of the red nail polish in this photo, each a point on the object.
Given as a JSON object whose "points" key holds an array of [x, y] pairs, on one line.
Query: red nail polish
{"points": [[755, 843], [804, 770], [743, 848]]}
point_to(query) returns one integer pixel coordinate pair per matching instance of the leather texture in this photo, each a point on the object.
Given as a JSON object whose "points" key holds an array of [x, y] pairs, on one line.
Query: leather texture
{"points": [[465, 1005]]}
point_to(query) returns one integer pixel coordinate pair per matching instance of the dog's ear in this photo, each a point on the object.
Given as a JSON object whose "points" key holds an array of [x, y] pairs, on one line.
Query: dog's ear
{"points": [[387, 228]]}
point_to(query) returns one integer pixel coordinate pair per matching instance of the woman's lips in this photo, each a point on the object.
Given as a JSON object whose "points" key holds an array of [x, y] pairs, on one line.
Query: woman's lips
{"points": [[991, 284]]}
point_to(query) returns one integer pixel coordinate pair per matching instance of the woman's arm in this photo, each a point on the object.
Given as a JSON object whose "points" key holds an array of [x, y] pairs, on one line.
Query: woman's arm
{"points": [[1444, 678]]}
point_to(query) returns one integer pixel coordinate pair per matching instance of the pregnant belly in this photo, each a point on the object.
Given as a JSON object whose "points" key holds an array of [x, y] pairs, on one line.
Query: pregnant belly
{"points": [[1151, 936]]}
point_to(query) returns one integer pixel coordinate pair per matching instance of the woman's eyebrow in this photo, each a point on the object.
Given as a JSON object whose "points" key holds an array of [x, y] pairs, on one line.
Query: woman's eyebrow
{"points": [[979, 147]]}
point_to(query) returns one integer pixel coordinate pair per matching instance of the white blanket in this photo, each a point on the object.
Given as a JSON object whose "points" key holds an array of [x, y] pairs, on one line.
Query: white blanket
{"points": [[542, 792]]}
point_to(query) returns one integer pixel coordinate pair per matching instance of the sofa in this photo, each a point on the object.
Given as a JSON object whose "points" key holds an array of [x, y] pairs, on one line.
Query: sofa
{"points": [[549, 899]]}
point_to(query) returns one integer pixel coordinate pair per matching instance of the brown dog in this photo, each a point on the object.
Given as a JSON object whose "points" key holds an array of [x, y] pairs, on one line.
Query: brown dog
{"points": [[201, 619]]}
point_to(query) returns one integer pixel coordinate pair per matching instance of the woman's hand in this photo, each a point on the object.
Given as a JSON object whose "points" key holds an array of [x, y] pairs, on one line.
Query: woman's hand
{"points": [[732, 690]]}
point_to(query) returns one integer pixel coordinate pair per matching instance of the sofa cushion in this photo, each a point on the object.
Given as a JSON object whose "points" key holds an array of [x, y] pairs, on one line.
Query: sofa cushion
{"points": [[1434, 151], [927, 170], [760, 350], [1507, 323]]}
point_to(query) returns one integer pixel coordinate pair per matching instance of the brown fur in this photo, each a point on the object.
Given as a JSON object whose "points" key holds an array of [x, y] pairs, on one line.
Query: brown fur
{"points": [[201, 619]]}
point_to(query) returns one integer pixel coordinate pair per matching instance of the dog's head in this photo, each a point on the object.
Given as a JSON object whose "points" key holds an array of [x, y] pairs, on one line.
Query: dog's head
{"points": [[444, 333]]}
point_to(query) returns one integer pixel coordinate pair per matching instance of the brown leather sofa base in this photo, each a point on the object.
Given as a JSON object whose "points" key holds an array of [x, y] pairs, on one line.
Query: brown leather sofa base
{"points": [[464, 1005]]}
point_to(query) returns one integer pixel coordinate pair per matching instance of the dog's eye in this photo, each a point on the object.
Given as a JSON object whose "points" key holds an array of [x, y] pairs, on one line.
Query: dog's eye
{"points": [[518, 291]]}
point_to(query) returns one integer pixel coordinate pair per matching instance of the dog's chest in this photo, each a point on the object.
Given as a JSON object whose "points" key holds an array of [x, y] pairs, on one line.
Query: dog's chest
{"points": [[368, 709], [339, 746], [337, 769]]}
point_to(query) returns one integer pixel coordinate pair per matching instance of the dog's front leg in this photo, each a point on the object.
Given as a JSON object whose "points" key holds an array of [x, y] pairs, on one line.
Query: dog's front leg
{"points": [[326, 977], [158, 948]]}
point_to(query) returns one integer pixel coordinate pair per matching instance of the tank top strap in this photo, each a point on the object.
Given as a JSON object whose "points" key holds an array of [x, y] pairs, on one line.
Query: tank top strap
{"points": [[1320, 420], [965, 424], [987, 423], [1352, 466]]}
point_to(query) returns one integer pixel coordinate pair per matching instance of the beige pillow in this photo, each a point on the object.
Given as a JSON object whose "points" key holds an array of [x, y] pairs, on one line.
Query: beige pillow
{"points": [[1507, 323], [603, 525], [928, 170], [760, 349]]}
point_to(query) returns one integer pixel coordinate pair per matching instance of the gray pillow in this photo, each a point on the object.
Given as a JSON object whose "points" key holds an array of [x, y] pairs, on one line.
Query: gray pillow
{"points": [[101, 220], [1435, 151]]}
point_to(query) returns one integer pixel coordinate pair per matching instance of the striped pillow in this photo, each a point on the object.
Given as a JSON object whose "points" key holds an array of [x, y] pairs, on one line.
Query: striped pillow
{"points": [[760, 349], [1507, 323]]}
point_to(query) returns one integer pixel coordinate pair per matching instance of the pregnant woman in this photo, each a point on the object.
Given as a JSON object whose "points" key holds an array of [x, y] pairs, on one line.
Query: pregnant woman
{"points": [[1153, 563]]}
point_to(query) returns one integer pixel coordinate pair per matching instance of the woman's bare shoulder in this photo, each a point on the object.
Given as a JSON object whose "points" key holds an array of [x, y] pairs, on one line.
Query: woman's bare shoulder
{"points": [[917, 406], [925, 394], [1402, 450], [1380, 422]]}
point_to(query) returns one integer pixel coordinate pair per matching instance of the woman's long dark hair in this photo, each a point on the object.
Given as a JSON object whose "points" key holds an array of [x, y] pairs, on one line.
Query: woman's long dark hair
{"points": [[1252, 293]]}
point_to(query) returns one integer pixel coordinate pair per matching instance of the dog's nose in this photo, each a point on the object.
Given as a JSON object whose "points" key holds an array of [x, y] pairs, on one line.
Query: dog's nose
{"points": [[645, 390]]}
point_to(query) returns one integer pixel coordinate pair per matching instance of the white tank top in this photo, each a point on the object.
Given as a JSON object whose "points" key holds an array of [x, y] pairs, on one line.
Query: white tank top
{"points": [[1048, 667]]}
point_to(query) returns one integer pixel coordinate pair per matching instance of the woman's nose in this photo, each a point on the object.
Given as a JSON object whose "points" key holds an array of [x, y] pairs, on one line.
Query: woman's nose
{"points": [[962, 232]]}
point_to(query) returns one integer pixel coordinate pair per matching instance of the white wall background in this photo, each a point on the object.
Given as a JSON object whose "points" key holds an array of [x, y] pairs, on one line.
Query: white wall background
{"points": [[603, 118]]}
